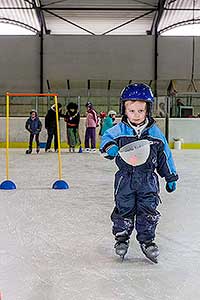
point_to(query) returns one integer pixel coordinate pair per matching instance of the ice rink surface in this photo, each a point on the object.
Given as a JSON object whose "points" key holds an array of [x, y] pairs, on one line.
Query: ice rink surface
{"points": [[57, 244]]}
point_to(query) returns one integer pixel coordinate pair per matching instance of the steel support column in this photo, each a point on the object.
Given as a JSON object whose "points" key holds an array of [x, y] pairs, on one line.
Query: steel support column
{"points": [[41, 59]]}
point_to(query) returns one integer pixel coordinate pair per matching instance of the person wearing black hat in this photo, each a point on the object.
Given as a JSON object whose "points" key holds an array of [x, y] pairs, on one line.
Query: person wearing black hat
{"points": [[51, 126], [72, 119]]}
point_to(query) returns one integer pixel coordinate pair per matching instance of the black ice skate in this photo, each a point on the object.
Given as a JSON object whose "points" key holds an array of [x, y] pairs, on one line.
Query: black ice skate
{"points": [[150, 250], [29, 151], [121, 248], [37, 150], [122, 244]]}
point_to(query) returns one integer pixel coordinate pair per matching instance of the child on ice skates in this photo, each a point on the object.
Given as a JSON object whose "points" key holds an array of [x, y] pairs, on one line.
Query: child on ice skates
{"points": [[91, 124], [72, 119], [34, 126], [136, 183]]}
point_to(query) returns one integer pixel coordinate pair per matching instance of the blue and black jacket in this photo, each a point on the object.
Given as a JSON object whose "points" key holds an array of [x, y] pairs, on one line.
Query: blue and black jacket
{"points": [[34, 126], [160, 158]]}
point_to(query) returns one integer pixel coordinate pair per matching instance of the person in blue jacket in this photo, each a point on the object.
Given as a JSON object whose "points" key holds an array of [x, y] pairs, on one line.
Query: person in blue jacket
{"points": [[34, 126], [136, 186]]}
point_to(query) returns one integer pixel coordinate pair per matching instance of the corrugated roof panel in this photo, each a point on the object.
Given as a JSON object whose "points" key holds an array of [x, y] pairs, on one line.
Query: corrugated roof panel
{"points": [[98, 3], [171, 17], [96, 21], [25, 14]]}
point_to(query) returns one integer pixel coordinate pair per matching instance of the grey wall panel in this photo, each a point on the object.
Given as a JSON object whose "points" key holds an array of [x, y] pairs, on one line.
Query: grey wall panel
{"points": [[99, 57], [175, 58], [19, 64], [92, 57], [197, 58]]}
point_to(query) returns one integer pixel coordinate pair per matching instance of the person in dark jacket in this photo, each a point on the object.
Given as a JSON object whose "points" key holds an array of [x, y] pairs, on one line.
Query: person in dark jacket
{"points": [[34, 126], [140, 149], [72, 119], [51, 126]]}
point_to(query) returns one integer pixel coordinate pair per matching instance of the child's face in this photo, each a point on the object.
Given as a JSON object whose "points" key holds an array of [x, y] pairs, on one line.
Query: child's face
{"points": [[33, 115], [136, 111]]}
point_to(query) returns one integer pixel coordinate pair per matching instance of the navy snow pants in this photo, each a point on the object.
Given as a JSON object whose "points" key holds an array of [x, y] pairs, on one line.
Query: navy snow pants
{"points": [[31, 138], [136, 200], [90, 135], [52, 132]]}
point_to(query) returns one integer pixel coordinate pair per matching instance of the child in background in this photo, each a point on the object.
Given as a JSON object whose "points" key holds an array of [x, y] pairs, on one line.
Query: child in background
{"points": [[137, 185], [91, 124], [109, 121], [102, 117], [72, 119], [34, 126]]}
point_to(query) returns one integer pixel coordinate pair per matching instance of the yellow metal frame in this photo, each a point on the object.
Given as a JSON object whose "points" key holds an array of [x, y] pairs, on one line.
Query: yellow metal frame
{"points": [[8, 95]]}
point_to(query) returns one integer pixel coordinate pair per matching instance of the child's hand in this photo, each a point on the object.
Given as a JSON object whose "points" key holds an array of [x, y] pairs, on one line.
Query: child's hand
{"points": [[171, 186], [112, 150]]}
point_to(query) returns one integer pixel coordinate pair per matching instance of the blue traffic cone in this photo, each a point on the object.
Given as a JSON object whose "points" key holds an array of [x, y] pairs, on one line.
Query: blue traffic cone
{"points": [[80, 150]]}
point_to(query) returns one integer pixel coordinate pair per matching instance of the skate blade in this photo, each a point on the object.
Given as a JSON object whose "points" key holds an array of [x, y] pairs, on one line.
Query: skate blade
{"points": [[153, 259], [121, 255], [121, 258]]}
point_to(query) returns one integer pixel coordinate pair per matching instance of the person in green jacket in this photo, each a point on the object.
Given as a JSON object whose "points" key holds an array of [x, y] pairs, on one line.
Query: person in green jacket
{"points": [[109, 121]]}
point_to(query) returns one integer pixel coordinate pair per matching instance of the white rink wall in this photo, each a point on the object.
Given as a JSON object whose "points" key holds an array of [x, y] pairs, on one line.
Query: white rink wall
{"points": [[185, 128]]}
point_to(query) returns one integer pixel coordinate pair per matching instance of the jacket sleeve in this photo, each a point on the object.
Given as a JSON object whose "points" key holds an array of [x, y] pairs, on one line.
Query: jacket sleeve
{"points": [[166, 167], [110, 137], [39, 125], [60, 114], [67, 117], [27, 125], [95, 116], [47, 120]]}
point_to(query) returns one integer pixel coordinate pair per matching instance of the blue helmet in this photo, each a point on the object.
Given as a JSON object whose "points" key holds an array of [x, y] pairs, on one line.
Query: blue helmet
{"points": [[136, 92]]}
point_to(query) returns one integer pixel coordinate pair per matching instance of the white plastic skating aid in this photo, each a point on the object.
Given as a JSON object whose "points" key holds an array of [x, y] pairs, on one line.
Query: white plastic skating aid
{"points": [[121, 248], [151, 251]]}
